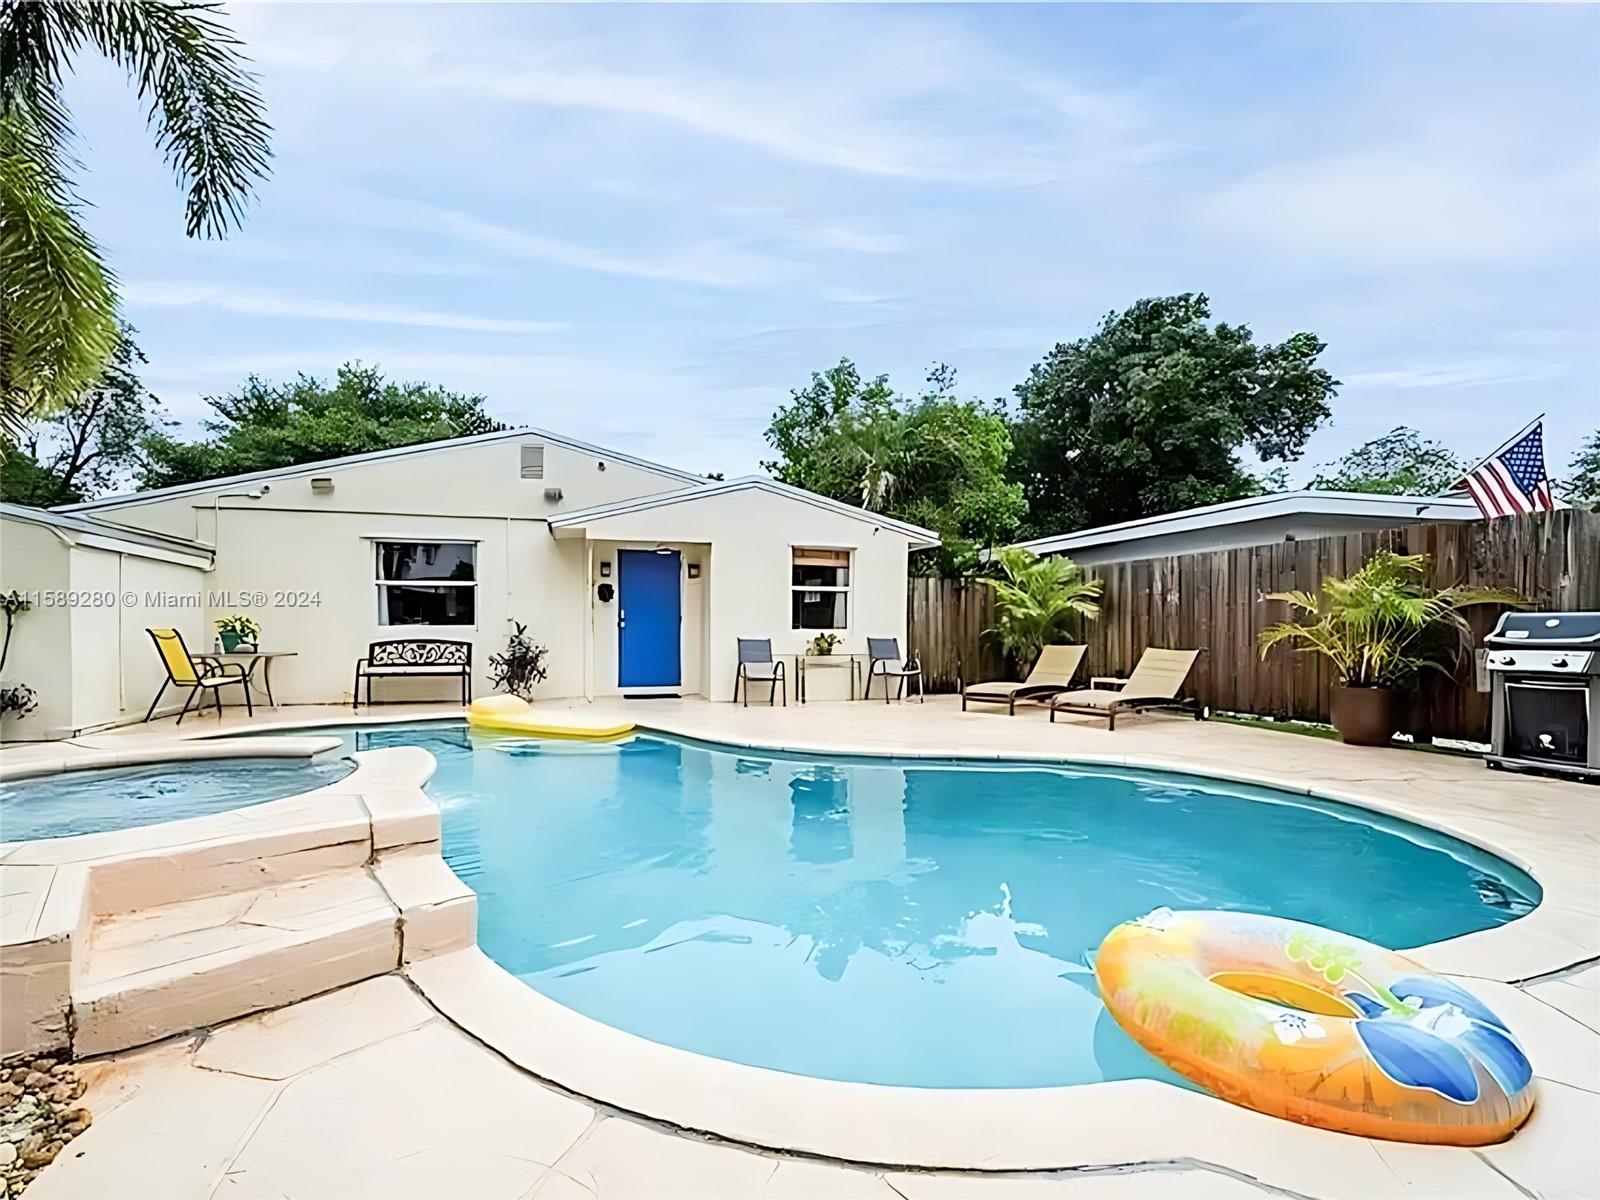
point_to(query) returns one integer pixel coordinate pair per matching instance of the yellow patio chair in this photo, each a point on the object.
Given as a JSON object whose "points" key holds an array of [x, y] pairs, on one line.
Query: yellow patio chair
{"points": [[209, 678]]}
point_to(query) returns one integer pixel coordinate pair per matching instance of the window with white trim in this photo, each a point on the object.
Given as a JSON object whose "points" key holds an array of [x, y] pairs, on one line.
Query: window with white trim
{"points": [[428, 583], [820, 586]]}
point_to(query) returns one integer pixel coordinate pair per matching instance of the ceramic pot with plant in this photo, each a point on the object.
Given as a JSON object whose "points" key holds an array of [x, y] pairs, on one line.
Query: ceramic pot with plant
{"points": [[1380, 628], [238, 632]]}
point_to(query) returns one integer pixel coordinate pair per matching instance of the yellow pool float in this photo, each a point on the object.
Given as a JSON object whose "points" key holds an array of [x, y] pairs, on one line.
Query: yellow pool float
{"points": [[1316, 1027], [512, 714]]}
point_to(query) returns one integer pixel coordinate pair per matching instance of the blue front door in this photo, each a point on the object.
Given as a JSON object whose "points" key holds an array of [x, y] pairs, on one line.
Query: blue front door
{"points": [[649, 616]]}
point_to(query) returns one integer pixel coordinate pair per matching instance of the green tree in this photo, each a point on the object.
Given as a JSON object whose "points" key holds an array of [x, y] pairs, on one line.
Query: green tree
{"points": [[58, 306], [90, 446], [1039, 601], [265, 425], [1581, 487], [934, 460], [1400, 463], [1147, 415]]}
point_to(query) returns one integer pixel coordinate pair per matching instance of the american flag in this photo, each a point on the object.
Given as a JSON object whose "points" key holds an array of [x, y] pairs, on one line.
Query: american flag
{"points": [[1513, 480]]}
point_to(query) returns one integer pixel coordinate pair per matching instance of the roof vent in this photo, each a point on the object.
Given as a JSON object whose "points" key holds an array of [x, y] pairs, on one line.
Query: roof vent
{"points": [[532, 461]]}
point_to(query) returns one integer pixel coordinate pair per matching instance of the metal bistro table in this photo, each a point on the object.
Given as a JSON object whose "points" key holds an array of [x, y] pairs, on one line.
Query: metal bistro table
{"points": [[804, 662], [250, 658]]}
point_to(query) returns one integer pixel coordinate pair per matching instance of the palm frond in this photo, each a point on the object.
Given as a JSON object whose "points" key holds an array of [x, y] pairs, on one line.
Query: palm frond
{"points": [[57, 307], [205, 108]]}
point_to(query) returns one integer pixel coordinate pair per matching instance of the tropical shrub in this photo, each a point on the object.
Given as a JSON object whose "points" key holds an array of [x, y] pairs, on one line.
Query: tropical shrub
{"points": [[520, 666], [1382, 625], [1040, 601]]}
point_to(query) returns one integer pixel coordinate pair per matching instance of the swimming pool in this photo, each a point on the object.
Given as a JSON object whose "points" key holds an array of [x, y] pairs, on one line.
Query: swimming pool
{"points": [[94, 801], [913, 922]]}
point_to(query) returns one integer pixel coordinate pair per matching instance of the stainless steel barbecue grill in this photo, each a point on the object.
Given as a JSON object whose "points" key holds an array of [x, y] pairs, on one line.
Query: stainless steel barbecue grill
{"points": [[1545, 673]]}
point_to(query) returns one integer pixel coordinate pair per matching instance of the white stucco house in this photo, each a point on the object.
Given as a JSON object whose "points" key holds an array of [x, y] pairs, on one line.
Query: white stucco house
{"points": [[1254, 521], [637, 576]]}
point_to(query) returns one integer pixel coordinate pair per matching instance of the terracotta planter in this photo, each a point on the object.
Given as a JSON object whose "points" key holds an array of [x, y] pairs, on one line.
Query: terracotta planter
{"points": [[1364, 716]]}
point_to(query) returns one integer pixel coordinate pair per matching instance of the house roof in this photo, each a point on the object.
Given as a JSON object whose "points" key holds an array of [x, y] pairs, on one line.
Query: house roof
{"points": [[1310, 502], [106, 533], [920, 538], [525, 431]]}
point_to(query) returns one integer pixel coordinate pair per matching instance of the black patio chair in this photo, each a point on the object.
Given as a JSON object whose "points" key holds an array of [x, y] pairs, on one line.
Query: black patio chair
{"points": [[884, 662], [756, 663]]}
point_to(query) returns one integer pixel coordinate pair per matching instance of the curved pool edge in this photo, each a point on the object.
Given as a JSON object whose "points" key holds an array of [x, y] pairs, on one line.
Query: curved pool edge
{"points": [[1563, 930], [75, 757]]}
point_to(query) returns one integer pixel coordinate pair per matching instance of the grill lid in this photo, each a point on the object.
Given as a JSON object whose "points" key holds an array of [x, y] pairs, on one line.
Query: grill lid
{"points": [[1546, 629]]}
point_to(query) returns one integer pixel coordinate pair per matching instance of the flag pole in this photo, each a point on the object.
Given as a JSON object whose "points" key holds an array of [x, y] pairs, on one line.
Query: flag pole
{"points": [[1514, 437]]}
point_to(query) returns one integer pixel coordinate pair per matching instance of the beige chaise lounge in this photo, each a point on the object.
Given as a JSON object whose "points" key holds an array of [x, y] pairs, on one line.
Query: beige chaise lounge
{"points": [[1051, 675], [1155, 683]]}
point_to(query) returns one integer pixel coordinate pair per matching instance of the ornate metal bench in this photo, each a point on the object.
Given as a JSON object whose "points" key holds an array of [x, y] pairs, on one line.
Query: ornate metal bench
{"points": [[412, 657]]}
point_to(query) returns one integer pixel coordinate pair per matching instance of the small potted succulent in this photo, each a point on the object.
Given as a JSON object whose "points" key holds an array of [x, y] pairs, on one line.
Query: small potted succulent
{"points": [[822, 645], [1379, 628], [238, 632]]}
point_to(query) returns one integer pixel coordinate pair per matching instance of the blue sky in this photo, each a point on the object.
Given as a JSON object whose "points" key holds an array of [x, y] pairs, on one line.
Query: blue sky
{"points": [[644, 225]]}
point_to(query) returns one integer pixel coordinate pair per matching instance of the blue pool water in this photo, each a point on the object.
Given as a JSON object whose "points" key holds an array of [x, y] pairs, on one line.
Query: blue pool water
{"points": [[118, 798], [895, 921]]}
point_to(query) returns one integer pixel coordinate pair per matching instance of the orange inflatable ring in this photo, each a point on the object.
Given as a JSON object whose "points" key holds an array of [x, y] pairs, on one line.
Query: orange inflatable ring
{"points": [[1316, 1027]]}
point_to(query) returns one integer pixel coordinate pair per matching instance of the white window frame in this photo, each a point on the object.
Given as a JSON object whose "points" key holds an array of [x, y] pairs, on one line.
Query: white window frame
{"points": [[378, 543], [850, 576]]}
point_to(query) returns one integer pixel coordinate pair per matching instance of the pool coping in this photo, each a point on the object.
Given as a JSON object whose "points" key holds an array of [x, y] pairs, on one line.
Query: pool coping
{"points": [[975, 1129]]}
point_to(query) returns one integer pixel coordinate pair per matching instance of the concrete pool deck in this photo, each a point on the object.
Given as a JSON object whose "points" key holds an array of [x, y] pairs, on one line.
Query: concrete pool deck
{"points": [[409, 1084]]}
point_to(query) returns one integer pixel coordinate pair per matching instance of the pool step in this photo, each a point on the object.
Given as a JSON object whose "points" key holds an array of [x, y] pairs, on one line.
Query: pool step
{"points": [[111, 940], [179, 966]]}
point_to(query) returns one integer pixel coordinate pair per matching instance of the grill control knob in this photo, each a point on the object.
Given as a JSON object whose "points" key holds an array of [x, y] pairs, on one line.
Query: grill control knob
{"points": [[1559, 663], [1507, 661]]}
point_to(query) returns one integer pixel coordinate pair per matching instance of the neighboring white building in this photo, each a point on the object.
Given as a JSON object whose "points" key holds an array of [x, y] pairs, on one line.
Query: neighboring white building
{"points": [[638, 577], [1255, 521]]}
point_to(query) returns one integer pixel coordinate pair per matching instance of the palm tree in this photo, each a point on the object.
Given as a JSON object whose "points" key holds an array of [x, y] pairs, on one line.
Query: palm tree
{"points": [[1039, 600], [58, 304], [1378, 627]]}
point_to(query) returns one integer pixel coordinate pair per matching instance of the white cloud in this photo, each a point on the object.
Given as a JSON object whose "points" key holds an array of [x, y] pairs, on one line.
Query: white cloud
{"points": [[1463, 374], [263, 303], [854, 241], [1401, 204], [844, 295], [712, 264]]}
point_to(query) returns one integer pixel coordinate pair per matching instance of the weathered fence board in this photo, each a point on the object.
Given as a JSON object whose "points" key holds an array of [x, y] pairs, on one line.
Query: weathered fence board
{"points": [[1213, 601]]}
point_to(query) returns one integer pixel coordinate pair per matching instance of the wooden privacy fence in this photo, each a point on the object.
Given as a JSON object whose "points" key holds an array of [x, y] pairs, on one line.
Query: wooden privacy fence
{"points": [[1213, 601], [945, 620]]}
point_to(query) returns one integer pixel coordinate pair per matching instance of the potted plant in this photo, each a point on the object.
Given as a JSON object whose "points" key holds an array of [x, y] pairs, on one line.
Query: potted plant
{"points": [[1040, 601], [15, 698], [520, 666], [1379, 628], [238, 631], [822, 645]]}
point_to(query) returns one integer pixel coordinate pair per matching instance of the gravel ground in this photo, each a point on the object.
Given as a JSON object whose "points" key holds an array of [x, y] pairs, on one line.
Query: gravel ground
{"points": [[39, 1115]]}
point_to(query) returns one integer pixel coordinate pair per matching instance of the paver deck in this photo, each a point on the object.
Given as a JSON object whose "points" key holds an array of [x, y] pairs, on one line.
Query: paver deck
{"points": [[372, 1091]]}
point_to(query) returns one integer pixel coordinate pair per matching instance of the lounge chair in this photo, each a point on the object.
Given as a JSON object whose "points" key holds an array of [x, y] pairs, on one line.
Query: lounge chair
{"points": [[1155, 683], [757, 664], [1051, 675], [884, 662], [210, 676]]}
